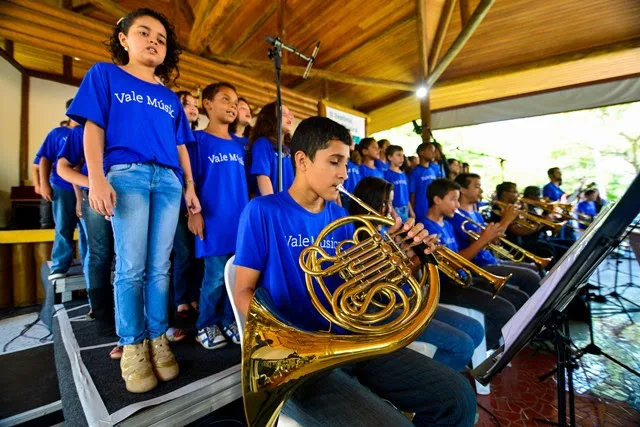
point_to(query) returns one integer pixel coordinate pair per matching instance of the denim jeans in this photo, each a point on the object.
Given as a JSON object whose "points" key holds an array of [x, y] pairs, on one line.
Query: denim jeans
{"points": [[144, 225], [84, 251], [497, 312], [187, 269], [46, 214], [412, 382], [403, 212], [455, 335], [215, 307], [64, 216]]}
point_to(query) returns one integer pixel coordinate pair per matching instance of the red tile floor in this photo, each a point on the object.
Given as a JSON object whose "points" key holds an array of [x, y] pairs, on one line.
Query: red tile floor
{"points": [[606, 394]]}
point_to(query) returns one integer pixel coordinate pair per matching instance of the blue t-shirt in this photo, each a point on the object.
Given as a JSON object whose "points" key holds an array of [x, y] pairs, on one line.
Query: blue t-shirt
{"points": [[587, 207], [484, 257], [221, 185], [353, 176], [380, 165], [251, 180], [445, 232], [400, 187], [273, 231], [143, 122], [49, 150], [264, 161], [73, 150], [552, 192], [366, 171], [419, 180], [437, 170]]}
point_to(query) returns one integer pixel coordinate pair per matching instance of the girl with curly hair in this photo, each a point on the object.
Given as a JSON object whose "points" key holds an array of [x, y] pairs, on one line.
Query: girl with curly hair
{"points": [[135, 130]]}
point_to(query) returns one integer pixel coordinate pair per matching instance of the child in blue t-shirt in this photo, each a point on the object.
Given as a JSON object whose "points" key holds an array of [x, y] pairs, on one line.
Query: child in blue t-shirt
{"points": [[187, 270], [60, 193], [73, 168], [369, 151], [240, 129], [455, 335], [382, 163], [587, 208], [218, 169], [420, 178], [443, 196], [264, 150], [398, 178], [353, 175], [272, 233], [135, 131]]}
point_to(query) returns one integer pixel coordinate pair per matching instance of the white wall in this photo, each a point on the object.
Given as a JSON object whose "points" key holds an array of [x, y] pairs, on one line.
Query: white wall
{"points": [[46, 110], [10, 88]]}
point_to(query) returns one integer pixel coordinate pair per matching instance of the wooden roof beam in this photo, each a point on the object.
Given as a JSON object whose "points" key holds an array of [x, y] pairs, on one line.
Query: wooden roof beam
{"points": [[186, 11], [295, 70], [462, 39], [423, 66], [250, 30], [441, 32], [210, 15], [111, 7], [84, 8], [465, 12]]}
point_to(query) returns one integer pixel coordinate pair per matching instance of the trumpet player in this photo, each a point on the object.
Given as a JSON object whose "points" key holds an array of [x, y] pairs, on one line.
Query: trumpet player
{"points": [[524, 276], [273, 231], [443, 196]]}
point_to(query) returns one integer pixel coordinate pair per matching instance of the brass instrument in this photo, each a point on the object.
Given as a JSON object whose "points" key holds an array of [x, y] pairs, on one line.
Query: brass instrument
{"points": [[380, 303], [531, 221], [506, 249], [562, 210]]}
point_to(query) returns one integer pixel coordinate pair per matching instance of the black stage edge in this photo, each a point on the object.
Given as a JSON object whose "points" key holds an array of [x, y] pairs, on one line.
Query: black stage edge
{"points": [[195, 362]]}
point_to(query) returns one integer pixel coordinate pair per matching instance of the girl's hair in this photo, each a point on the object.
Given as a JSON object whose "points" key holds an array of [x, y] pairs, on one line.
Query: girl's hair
{"points": [[182, 95], [373, 191], [266, 126], [234, 126], [364, 144], [121, 56]]}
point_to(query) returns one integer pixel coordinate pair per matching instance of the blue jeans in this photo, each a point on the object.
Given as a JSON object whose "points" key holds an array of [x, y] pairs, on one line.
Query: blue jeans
{"points": [[187, 269], [100, 239], [84, 251], [64, 216], [455, 335], [215, 307], [144, 225], [403, 212], [412, 382]]}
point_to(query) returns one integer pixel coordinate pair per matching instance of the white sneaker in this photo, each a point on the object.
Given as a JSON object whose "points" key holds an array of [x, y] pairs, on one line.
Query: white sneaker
{"points": [[231, 332], [56, 276], [211, 337]]}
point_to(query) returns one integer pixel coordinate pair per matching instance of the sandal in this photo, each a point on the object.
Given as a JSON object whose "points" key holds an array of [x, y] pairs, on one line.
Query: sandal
{"points": [[116, 352], [176, 334]]}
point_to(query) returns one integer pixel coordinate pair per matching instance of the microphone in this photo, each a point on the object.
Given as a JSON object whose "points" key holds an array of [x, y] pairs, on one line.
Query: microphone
{"points": [[313, 59], [276, 42]]}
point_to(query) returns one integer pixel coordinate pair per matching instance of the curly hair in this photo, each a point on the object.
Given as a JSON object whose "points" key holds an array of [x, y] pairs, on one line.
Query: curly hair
{"points": [[266, 126], [121, 56], [182, 96]]}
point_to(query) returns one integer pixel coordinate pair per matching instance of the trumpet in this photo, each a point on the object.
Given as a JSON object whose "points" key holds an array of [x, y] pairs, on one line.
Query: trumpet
{"points": [[506, 249], [531, 221], [380, 304]]}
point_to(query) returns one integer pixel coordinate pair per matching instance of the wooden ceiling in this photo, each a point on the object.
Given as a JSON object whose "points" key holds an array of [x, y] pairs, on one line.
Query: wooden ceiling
{"points": [[369, 57]]}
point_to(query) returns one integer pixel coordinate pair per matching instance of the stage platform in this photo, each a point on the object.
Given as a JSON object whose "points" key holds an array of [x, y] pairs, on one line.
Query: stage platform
{"points": [[93, 393]]}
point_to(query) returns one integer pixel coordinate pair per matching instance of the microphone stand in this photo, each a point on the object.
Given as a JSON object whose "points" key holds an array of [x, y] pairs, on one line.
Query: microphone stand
{"points": [[275, 54], [502, 160]]}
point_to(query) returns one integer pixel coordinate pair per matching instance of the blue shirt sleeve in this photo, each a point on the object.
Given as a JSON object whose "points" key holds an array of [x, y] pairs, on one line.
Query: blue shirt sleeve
{"points": [[184, 134], [261, 157], [92, 100], [252, 244], [49, 148]]}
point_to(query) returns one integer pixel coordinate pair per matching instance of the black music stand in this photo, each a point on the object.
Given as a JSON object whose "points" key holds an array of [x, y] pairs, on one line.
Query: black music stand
{"points": [[559, 287]]}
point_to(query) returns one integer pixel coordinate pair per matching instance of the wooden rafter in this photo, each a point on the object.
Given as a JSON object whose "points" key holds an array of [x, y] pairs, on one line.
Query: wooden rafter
{"points": [[111, 7], [465, 12], [423, 65], [478, 15], [441, 32], [186, 11], [295, 70], [84, 8], [210, 16], [250, 30], [282, 33]]}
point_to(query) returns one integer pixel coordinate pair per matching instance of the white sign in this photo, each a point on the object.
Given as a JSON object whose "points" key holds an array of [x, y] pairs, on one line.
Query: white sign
{"points": [[355, 124]]}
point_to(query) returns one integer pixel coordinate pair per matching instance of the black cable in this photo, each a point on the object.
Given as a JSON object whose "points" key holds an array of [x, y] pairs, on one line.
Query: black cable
{"points": [[491, 414], [26, 329]]}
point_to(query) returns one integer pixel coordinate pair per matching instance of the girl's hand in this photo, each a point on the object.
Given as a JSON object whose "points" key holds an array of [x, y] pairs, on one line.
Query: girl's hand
{"points": [[102, 196], [46, 192], [196, 225], [191, 200], [79, 208]]}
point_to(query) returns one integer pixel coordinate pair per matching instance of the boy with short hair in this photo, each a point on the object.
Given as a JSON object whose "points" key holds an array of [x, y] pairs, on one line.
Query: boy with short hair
{"points": [[395, 159], [443, 196], [272, 233], [421, 177]]}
